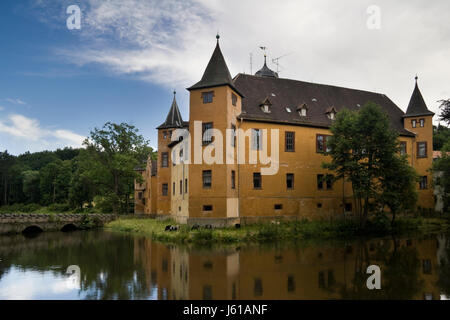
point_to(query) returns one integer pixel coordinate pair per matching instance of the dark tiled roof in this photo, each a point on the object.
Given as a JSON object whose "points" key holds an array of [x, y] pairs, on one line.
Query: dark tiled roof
{"points": [[173, 119], [319, 99], [417, 106], [216, 73]]}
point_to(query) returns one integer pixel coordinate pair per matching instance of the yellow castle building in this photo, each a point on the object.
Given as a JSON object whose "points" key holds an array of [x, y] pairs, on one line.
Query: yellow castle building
{"points": [[254, 145]]}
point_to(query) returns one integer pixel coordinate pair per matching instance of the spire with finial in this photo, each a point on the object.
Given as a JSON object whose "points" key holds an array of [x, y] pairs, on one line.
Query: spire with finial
{"points": [[417, 106], [173, 119], [216, 73], [265, 71]]}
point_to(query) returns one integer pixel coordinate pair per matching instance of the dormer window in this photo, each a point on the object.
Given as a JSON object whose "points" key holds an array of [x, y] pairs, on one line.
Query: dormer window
{"points": [[302, 110], [265, 105], [331, 113]]}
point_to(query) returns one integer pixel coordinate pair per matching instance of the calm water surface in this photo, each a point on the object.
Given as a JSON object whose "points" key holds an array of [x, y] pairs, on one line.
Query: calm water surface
{"points": [[117, 266]]}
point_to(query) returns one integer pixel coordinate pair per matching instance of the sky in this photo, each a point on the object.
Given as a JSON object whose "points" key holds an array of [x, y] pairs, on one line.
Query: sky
{"points": [[122, 65]]}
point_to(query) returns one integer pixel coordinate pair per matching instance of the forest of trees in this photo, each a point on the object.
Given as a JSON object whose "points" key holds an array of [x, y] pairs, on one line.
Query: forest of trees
{"points": [[101, 173]]}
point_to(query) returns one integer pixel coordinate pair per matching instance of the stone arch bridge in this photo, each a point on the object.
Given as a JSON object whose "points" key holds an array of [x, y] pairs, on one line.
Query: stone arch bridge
{"points": [[18, 223]]}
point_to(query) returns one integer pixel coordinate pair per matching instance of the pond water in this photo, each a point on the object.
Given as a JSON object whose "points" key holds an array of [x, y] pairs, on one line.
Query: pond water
{"points": [[107, 265]]}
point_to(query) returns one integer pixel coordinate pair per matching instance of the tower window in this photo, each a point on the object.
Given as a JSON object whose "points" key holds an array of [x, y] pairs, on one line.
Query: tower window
{"points": [[257, 183], [185, 185], [233, 135], [421, 149], [403, 148], [422, 122], [207, 133], [207, 179], [173, 188], [289, 138], [423, 184], [181, 186], [165, 134], [233, 99], [414, 123], [164, 159], [290, 181], [208, 96], [165, 189]]}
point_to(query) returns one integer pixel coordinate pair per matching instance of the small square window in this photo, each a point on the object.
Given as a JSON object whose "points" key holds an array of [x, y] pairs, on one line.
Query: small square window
{"points": [[257, 184], [207, 207], [278, 207], [208, 97]]}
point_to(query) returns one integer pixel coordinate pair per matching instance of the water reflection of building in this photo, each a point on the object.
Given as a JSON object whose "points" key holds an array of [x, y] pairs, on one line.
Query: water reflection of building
{"points": [[313, 272]]}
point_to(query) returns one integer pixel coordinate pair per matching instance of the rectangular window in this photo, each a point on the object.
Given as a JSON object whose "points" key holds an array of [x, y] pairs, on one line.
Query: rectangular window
{"points": [[256, 139], [289, 142], [181, 186], [140, 195], [206, 133], [258, 287], [207, 293], [423, 184], [207, 179], [426, 264], [233, 99], [173, 188], [185, 185], [290, 283], [278, 207], [422, 122], [233, 179], [164, 134], [257, 184], [414, 123], [290, 181], [164, 159], [320, 181], [208, 96], [403, 148], [348, 207], [421, 149], [233, 135], [165, 189], [207, 207], [329, 181], [321, 143]]}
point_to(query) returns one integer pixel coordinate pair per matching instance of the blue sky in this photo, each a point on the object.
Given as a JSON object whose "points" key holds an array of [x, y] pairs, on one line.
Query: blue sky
{"points": [[122, 66]]}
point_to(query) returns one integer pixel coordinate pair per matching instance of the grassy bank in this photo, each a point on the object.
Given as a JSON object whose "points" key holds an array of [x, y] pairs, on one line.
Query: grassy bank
{"points": [[271, 232]]}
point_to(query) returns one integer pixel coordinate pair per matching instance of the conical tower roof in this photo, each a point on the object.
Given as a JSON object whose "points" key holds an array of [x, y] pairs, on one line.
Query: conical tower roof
{"points": [[417, 105], [216, 73], [173, 119]]}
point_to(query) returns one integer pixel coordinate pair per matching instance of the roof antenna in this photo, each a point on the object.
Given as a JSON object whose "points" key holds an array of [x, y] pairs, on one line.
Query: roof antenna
{"points": [[276, 61]]}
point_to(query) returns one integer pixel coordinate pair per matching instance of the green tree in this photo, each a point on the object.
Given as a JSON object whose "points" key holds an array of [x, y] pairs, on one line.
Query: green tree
{"points": [[55, 180], [6, 163], [441, 168], [31, 185], [361, 148], [441, 135], [398, 184], [82, 189], [445, 113], [113, 153]]}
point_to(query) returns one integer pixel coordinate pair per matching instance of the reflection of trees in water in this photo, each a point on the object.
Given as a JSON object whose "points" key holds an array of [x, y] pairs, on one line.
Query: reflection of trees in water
{"points": [[400, 271], [108, 270]]}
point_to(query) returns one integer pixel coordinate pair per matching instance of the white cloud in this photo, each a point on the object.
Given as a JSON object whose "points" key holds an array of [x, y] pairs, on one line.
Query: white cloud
{"points": [[170, 42], [16, 101], [18, 133], [1, 108]]}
